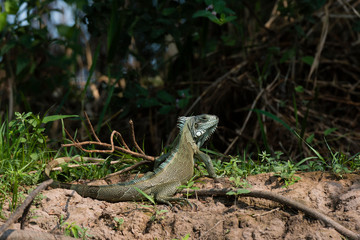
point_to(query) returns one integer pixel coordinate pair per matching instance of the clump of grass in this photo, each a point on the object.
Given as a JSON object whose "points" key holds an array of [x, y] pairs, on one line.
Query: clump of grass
{"points": [[23, 148]]}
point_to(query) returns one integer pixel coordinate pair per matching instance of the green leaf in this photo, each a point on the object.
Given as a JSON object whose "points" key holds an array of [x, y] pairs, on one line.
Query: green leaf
{"points": [[238, 191], [75, 232], [229, 19], [312, 149], [3, 22], [310, 138], [202, 13], [230, 193], [219, 6], [34, 156], [150, 198], [299, 89], [21, 64], [308, 60], [7, 46], [11, 6], [329, 131], [209, 15], [57, 117], [242, 191]]}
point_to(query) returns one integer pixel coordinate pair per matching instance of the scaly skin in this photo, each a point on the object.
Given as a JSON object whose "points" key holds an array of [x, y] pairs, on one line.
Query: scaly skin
{"points": [[173, 169]]}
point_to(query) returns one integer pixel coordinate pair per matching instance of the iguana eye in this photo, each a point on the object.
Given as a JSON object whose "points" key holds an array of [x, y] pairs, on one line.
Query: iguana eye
{"points": [[196, 125]]}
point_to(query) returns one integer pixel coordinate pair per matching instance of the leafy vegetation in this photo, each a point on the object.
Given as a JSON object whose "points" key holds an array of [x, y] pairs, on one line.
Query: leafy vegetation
{"points": [[137, 59], [118, 223], [23, 149], [73, 230]]}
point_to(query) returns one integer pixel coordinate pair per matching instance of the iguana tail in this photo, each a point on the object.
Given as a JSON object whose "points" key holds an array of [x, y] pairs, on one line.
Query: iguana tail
{"points": [[111, 193]]}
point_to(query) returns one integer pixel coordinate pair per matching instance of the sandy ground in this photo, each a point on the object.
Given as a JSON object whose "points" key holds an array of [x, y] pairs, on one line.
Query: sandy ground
{"points": [[214, 217]]}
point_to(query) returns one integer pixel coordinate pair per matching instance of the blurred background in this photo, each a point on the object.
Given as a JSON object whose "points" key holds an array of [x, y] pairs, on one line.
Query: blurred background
{"points": [[279, 74]]}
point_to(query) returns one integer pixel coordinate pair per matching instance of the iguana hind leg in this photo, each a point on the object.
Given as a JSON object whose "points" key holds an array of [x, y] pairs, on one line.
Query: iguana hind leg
{"points": [[166, 192]]}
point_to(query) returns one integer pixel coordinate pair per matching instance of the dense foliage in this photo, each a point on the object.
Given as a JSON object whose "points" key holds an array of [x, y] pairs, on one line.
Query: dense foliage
{"points": [[295, 63]]}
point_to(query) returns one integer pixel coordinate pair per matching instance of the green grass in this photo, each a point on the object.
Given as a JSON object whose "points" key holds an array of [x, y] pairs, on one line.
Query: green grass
{"points": [[249, 164], [23, 149]]}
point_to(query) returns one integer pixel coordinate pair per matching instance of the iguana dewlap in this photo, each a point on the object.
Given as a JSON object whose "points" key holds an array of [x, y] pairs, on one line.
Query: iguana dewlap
{"points": [[171, 170]]}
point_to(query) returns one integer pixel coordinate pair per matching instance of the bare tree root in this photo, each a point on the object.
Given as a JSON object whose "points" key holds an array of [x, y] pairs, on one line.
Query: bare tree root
{"points": [[13, 234], [23, 209], [283, 200]]}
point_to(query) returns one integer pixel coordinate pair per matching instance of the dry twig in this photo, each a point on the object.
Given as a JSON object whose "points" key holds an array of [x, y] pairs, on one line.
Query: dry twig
{"points": [[111, 147]]}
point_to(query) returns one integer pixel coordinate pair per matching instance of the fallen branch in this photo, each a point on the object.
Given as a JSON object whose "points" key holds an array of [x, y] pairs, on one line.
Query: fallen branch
{"points": [[20, 210], [16, 234], [283, 200], [111, 147]]}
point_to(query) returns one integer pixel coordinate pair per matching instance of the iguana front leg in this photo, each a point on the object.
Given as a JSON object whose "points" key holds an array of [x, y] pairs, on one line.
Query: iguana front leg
{"points": [[208, 163]]}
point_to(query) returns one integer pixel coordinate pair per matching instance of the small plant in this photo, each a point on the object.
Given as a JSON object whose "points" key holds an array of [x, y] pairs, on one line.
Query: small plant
{"points": [[286, 173], [118, 223], [283, 169], [73, 230], [236, 166], [189, 186], [157, 215], [186, 237], [241, 185], [217, 12]]}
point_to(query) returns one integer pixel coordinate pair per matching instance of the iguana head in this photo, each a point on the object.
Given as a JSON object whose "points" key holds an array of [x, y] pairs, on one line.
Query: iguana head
{"points": [[200, 126]]}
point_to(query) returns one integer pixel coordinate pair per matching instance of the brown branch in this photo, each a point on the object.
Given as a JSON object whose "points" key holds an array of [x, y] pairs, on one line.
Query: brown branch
{"points": [[91, 127], [20, 210], [132, 134], [134, 154], [67, 133], [111, 146], [121, 140], [15, 234], [283, 200], [126, 169]]}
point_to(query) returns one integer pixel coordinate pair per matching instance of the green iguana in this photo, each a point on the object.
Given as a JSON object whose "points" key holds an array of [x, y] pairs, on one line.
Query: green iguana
{"points": [[171, 170]]}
